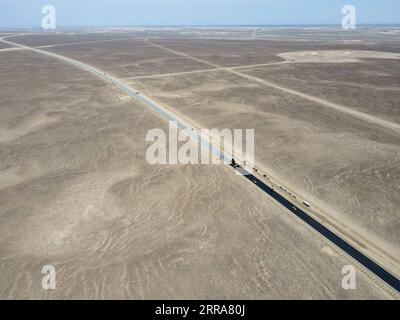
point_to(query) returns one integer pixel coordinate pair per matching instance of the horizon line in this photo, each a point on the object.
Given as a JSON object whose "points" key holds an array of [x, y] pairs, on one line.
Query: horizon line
{"points": [[294, 25]]}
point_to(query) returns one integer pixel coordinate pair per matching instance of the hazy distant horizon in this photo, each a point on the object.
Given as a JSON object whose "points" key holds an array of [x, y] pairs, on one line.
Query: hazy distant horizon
{"points": [[333, 26], [148, 13]]}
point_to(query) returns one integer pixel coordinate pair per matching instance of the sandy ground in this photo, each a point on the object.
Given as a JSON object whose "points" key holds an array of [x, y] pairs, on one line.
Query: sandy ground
{"points": [[360, 36], [229, 53], [371, 86], [340, 163], [4, 46], [44, 39], [128, 57], [77, 193], [341, 183], [338, 56]]}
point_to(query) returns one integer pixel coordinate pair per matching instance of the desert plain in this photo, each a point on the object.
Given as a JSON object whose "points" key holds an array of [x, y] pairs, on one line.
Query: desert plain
{"points": [[76, 191]]}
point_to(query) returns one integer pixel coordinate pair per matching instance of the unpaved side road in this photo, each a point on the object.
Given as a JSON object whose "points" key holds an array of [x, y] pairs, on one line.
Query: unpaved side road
{"points": [[338, 107]]}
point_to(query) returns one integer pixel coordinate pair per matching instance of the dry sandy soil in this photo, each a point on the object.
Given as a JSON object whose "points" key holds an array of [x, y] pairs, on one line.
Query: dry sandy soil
{"points": [[363, 36], [355, 163], [133, 57], [372, 86], [127, 58], [76, 190], [4, 46], [44, 39], [340, 163], [229, 53]]}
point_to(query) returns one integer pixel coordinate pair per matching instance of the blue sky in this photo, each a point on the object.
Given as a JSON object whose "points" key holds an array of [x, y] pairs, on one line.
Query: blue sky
{"points": [[70, 13]]}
